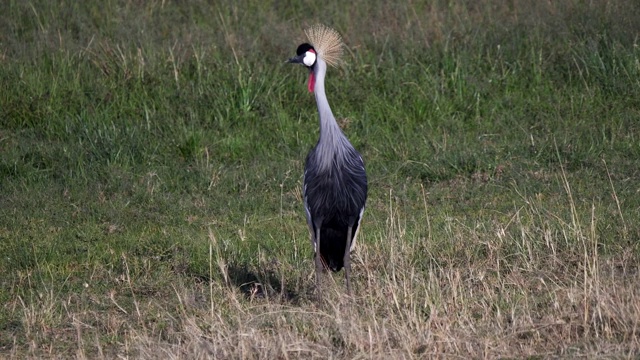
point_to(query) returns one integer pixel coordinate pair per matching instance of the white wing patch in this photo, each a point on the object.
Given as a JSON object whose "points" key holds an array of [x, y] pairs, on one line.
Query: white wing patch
{"points": [[307, 214], [353, 241], [310, 224]]}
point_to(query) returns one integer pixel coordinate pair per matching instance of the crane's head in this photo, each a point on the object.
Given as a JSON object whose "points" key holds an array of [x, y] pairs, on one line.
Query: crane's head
{"points": [[324, 42], [305, 55]]}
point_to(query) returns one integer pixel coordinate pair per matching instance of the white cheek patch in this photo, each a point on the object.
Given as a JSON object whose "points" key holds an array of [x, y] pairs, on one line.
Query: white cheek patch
{"points": [[309, 58]]}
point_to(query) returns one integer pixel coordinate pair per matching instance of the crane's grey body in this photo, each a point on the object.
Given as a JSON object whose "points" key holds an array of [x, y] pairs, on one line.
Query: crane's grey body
{"points": [[335, 184]]}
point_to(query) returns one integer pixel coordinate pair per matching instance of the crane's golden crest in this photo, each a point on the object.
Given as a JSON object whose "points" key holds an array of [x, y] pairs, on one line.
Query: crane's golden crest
{"points": [[327, 42]]}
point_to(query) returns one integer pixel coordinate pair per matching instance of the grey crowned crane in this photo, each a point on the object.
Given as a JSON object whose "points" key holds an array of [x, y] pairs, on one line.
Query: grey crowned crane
{"points": [[335, 181]]}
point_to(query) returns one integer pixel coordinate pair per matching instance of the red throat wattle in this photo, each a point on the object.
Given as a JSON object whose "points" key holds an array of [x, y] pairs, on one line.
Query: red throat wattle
{"points": [[312, 81]]}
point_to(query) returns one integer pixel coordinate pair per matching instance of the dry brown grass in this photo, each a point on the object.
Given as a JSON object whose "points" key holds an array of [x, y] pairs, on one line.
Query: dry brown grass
{"points": [[546, 299]]}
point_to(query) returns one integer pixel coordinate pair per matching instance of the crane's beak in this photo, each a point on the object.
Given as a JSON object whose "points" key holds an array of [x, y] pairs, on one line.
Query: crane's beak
{"points": [[296, 60]]}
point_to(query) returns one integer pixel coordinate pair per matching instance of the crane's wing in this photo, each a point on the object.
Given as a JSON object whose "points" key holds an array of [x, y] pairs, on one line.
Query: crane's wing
{"points": [[335, 198], [362, 175], [307, 213]]}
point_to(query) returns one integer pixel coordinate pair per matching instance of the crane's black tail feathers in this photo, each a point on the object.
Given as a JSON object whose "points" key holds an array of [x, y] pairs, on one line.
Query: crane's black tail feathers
{"points": [[332, 247]]}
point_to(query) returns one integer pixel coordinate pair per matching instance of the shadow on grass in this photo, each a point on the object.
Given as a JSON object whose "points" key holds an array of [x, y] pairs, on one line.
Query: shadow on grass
{"points": [[266, 284]]}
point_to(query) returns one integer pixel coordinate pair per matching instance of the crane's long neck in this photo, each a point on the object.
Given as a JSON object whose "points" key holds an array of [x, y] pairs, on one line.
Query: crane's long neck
{"points": [[332, 141]]}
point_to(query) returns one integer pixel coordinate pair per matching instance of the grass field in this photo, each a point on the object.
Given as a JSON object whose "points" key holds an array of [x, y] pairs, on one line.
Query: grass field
{"points": [[151, 157]]}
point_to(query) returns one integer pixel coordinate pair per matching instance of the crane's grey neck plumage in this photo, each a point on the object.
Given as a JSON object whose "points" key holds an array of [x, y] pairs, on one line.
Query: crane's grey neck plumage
{"points": [[332, 141]]}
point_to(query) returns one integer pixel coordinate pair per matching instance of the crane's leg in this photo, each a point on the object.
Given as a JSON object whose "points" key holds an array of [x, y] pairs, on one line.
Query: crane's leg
{"points": [[318, 260], [347, 260]]}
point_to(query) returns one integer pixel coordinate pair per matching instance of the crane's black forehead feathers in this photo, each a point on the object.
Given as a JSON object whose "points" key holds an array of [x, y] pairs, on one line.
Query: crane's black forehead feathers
{"points": [[303, 48]]}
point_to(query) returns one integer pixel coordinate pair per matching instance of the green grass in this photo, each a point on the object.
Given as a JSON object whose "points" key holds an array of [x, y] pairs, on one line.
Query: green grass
{"points": [[151, 162]]}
